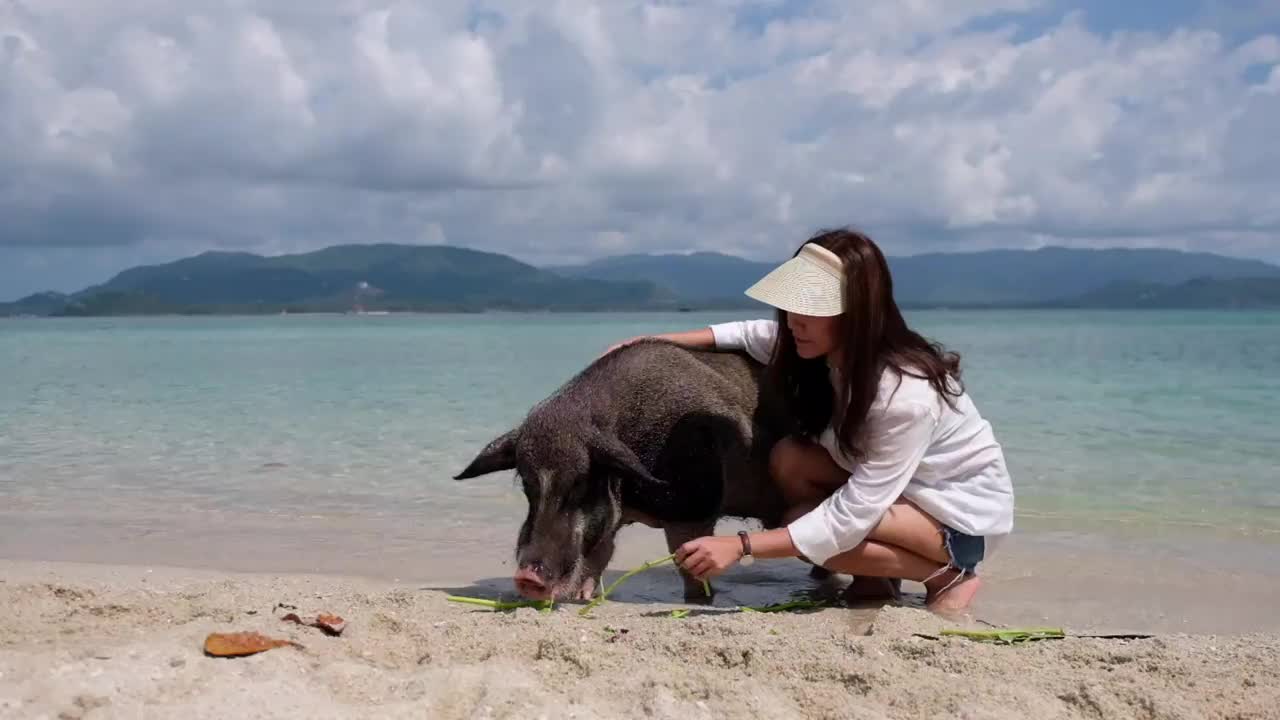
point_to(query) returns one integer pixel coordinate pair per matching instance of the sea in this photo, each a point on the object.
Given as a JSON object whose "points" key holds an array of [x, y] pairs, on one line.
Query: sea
{"points": [[327, 443]]}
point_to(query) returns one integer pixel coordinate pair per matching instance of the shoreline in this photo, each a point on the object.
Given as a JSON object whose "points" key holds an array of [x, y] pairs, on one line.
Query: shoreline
{"points": [[1048, 575], [96, 641]]}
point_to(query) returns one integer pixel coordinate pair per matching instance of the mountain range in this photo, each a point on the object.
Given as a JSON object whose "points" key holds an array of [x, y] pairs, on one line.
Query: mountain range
{"points": [[1047, 276], [340, 278], [390, 277]]}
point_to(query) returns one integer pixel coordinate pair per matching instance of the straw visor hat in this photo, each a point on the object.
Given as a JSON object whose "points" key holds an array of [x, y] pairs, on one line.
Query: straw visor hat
{"points": [[811, 283]]}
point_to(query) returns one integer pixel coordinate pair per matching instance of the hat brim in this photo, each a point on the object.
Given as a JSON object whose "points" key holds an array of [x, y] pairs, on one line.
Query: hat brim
{"points": [[798, 286]]}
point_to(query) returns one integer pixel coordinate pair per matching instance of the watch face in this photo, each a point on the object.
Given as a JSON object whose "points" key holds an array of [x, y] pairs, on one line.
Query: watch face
{"points": [[748, 559]]}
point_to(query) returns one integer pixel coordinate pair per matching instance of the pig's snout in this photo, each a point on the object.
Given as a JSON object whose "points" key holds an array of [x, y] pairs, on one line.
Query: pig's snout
{"points": [[529, 582]]}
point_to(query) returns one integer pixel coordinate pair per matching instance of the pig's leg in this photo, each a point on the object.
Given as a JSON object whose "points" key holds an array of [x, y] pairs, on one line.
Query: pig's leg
{"points": [[679, 534]]}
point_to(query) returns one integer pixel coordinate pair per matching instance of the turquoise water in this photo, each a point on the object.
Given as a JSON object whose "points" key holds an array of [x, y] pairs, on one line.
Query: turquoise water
{"points": [[1109, 419]]}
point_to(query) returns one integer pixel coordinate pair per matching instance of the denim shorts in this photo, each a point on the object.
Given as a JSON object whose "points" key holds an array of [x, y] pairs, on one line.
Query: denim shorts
{"points": [[966, 551]]}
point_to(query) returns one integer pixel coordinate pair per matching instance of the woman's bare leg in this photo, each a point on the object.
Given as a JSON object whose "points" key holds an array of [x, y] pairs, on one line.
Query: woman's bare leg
{"points": [[944, 590], [806, 475], [863, 587], [878, 560], [907, 526], [909, 539], [804, 472]]}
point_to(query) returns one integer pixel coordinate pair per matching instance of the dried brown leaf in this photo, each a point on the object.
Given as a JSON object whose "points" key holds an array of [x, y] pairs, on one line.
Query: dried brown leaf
{"points": [[241, 644], [330, 624]]}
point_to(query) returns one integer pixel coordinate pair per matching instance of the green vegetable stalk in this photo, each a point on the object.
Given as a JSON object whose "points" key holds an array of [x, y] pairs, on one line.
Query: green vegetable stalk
{"points": [[546, 605], [784, 607], [706, 587], [498, 605], [1008, 636]]}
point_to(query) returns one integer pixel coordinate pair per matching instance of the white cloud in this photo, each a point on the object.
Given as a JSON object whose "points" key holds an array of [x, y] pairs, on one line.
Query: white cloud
{"points": [[561, 129]]}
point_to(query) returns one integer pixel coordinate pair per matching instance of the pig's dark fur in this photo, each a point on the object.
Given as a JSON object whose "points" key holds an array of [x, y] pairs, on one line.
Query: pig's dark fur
{"points": [[653, 432]]}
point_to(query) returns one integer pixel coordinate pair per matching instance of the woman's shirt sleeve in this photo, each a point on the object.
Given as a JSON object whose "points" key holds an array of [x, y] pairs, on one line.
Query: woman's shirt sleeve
{"points": [[897, 442], [755, 337]]}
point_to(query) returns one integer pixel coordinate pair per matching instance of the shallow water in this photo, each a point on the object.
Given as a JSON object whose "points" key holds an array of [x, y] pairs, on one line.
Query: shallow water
{"points": [[328, 442]]}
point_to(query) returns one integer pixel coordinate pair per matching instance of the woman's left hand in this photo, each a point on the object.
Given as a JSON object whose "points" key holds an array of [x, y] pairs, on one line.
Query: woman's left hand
{"points": [[709, 556]]}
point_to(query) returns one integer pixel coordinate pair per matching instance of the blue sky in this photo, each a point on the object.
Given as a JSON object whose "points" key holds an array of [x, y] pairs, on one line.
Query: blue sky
{"points": [[147, 130]]}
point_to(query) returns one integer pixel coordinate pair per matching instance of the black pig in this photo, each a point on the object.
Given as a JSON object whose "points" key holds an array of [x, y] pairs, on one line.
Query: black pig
{"points": [[652, 432]]}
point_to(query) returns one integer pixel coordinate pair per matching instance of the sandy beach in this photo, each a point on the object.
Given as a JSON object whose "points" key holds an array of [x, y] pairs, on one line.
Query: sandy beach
{"points": [[100, 641]]}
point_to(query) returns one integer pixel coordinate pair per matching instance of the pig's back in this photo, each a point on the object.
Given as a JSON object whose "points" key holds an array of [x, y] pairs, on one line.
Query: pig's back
{"points": [[666, 374], [655, 395], [649, 387]]}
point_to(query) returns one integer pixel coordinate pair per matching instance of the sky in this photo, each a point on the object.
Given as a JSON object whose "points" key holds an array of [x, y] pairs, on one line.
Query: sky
{"points": [[557, 131]]}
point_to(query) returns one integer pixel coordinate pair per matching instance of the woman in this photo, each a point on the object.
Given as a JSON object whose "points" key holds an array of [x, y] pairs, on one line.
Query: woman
{"points": [[891, 472]]}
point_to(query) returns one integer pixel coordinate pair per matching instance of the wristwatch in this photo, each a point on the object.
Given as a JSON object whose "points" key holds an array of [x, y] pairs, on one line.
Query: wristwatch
{"points": [[747, 557]]}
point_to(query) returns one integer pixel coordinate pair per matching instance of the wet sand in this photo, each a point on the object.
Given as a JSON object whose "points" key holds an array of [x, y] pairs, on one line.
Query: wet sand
{"points": [[1136, 579], [98, 641]]}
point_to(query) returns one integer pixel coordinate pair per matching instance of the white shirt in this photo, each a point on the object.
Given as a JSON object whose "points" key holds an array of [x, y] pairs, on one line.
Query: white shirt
{"points": [[944, 460]]}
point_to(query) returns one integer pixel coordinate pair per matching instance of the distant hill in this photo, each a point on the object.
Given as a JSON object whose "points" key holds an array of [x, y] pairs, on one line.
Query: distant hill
{"points": [[1017, 277], [1200, 293], [340, 278], [442, 278], [697, 277], [44, 303], [989, 278]]}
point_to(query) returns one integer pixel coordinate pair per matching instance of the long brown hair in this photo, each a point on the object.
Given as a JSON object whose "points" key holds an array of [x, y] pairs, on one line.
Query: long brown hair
{"points": [[873, 337]]}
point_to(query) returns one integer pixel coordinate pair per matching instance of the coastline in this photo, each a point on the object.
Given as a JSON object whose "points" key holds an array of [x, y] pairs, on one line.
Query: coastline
{"points": [[91, 641], [1147, 580]]}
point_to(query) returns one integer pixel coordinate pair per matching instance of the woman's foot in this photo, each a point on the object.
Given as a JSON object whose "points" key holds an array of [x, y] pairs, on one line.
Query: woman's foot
{"points": [[940, 597], [873, 588]]}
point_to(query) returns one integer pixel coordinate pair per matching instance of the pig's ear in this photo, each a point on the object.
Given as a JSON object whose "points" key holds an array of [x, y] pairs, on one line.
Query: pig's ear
{"points": [[612, 453], [497, 455]]}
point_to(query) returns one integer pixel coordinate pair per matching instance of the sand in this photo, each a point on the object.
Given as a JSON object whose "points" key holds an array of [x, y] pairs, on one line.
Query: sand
{"points": [[98, 641]]}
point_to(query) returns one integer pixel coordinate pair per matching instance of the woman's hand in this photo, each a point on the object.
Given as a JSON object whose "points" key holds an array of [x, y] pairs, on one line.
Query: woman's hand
{"points": [[707, 557]]}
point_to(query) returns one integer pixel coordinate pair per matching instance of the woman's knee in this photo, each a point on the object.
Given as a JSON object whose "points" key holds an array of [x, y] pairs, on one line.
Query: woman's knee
{"points": [[798, 469], [782, 459]]}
